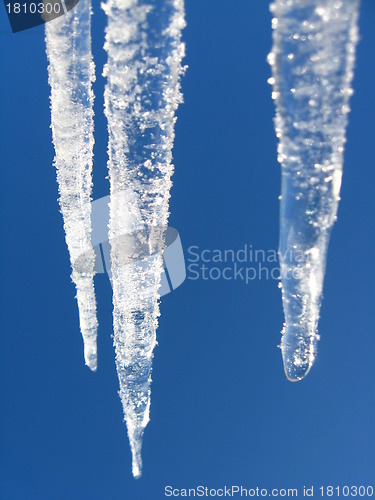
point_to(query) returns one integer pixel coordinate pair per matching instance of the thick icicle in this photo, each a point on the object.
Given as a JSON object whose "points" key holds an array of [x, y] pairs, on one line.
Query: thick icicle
{"points": [[143, 41], [312, 62], [71, 73]]}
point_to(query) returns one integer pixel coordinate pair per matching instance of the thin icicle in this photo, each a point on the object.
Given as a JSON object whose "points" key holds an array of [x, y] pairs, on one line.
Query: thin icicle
{"points": [[71, 73], [312, 62], [143, 41]]}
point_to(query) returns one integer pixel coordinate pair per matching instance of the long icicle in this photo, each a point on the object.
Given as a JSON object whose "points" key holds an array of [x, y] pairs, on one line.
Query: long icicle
{"points": [[71, 73], [312, 63], [143, 41]]}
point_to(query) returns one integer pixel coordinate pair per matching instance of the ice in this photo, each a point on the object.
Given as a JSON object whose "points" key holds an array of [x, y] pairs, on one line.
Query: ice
{"points": [[143, 42], [71, 73], [312, 69]]}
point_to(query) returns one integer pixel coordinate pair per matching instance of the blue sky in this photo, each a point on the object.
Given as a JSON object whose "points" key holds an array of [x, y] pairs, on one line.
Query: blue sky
{"points": [[222, 411]]}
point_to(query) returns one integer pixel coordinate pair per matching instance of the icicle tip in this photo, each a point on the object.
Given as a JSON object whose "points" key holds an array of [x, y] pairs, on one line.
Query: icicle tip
{"points": [[91, 358], [298, 351]]}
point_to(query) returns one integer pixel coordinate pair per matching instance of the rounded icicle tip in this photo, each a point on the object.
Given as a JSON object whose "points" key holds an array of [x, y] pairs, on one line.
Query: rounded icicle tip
{"points": [[295, 372], [137, 469], [90, 355], [298, 352]]}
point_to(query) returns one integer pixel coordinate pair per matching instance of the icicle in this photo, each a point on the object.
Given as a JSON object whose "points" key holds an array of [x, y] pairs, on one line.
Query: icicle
{"points": [[71, 73], [312, 63], [143, 41]]}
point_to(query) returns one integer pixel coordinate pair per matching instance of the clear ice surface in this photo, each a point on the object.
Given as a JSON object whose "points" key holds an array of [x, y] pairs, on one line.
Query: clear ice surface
{"points": [[312, 63], [71, 72], [143, 42]]}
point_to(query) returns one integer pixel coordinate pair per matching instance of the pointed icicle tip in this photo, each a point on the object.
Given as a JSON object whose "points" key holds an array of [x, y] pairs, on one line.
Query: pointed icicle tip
{"points": [[135, 432]]}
